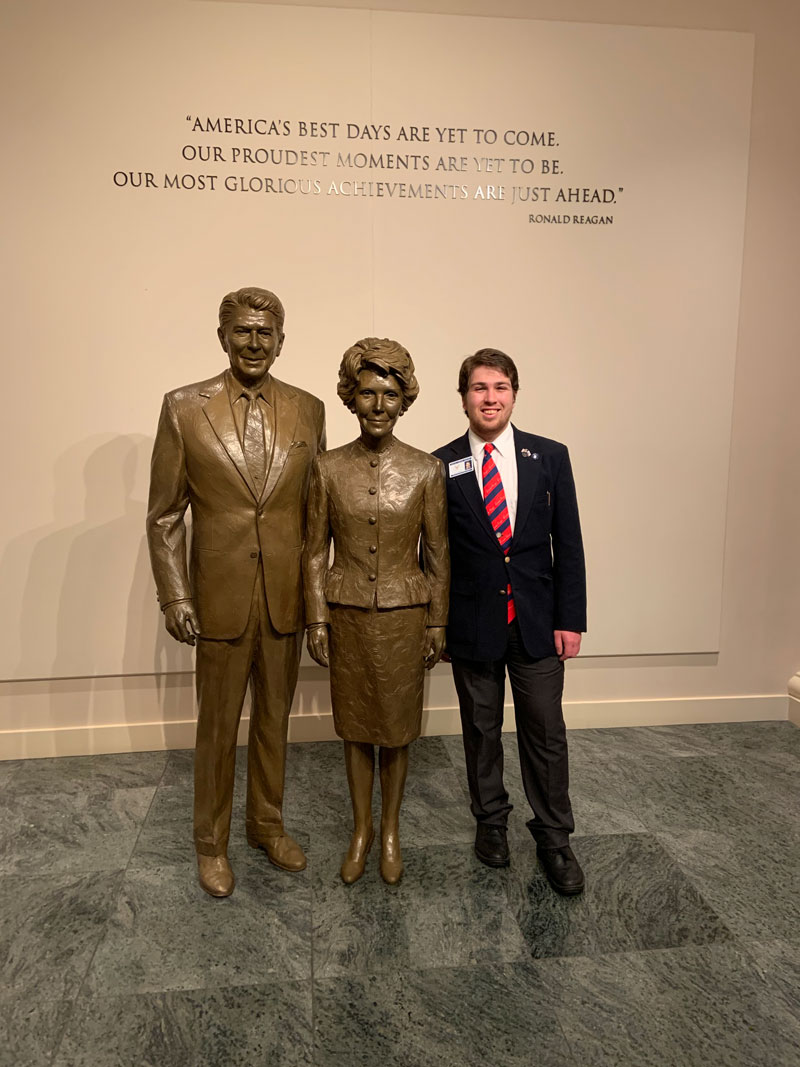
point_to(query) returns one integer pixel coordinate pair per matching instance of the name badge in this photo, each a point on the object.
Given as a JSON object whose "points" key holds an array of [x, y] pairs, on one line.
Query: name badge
{"points": [[461, 466]]}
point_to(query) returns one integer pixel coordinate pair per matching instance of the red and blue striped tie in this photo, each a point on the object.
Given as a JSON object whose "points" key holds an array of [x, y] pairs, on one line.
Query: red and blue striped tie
{"points": [[494, 498]]}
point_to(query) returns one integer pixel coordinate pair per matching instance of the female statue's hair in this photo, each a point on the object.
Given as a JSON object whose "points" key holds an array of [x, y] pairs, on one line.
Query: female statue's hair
{"points": [[383, 356]]}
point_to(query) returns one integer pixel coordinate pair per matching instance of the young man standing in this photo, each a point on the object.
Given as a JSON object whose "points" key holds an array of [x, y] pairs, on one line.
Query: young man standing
{"points": [[517, 603]]}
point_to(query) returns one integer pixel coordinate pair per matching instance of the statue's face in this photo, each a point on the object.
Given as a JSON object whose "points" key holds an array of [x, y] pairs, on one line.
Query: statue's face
{"points": [[253, 342], [378, 403], [489, 402]]}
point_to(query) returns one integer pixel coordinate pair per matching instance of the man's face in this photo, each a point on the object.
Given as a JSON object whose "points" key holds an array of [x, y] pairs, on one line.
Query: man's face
{"points": [[489, 402], [253, 342]]}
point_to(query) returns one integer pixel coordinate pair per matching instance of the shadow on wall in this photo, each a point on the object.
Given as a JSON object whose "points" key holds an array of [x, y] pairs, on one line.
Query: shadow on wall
{"points": [[82, 585]]}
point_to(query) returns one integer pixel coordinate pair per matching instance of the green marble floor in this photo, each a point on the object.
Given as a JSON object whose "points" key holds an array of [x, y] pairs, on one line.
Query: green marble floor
{"points": [[684, 950]]}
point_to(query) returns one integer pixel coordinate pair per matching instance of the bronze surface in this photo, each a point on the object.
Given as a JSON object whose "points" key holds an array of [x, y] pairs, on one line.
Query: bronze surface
{"points": [[375, 616], [240, 595]]}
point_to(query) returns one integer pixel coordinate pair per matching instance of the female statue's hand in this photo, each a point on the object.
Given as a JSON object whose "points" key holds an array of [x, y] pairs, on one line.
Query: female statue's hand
{"points": [[317, 643], [434, 645]]}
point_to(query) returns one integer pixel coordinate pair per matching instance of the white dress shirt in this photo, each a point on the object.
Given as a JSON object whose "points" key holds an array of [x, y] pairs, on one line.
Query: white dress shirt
{"points": [[506, 462]]}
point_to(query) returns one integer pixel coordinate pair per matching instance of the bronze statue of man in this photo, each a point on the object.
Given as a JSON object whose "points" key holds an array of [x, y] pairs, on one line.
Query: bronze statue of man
{"points": [[237, 449]]}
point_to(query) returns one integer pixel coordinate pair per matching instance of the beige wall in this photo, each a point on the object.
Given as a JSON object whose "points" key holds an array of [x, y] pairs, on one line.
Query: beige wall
{"points": [[758, 644]]}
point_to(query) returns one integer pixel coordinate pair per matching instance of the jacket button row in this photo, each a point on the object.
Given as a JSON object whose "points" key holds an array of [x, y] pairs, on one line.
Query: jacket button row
{"points": [[372, 520], [373, 463], [254, 555], [373, 577], [373, 548], [508, 559], [372, 490], [503, 592]]}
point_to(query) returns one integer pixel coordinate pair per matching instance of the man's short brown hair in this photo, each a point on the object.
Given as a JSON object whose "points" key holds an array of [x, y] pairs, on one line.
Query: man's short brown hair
{"points": [[254, 298], [488, 357]]}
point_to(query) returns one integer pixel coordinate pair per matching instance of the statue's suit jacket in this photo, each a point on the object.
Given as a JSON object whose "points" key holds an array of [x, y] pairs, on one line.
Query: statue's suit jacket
{"points": [[198, 461], [545, 562]]}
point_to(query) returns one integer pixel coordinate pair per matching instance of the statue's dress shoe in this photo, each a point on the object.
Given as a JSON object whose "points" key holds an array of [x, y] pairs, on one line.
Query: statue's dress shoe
{"points": [[391, 859], [283, 851], [356, 858], [562, 869], [491, 845], [215, 875]]}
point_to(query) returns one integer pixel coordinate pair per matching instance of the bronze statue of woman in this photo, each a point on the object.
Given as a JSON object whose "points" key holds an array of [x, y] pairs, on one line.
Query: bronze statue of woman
{"points": [[375, 615]]}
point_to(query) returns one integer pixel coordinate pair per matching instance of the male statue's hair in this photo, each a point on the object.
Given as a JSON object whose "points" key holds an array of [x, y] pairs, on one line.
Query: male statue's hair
{"points": [[250, 297], [384, 356], [488, 357]]}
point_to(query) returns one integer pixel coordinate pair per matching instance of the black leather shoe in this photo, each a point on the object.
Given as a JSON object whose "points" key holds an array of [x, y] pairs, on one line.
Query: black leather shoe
{"points": [[491, 845], [562, 869]]}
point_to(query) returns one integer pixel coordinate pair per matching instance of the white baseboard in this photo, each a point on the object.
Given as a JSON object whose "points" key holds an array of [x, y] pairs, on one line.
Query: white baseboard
{"points": [[317, 725]]}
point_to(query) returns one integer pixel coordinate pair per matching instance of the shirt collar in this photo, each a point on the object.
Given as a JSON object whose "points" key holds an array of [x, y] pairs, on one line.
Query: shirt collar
{"points": [[237, 390], [504, 443]]}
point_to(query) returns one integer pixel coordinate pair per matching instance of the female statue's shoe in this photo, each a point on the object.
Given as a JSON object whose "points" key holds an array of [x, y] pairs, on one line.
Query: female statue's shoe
{"points": [[356, 859], [215, 875], [391, 859]]}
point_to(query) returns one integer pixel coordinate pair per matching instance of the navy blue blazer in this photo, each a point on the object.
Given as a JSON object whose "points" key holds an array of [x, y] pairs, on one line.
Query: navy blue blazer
{"points": [[545, 562]]}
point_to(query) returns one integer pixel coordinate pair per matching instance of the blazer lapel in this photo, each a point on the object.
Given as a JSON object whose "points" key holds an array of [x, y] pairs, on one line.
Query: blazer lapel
{"points": [[468, 484], [529, 471], [219, 414], [285, 420]]}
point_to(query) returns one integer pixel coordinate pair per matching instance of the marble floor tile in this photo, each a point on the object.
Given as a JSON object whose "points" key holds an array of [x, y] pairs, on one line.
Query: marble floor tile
{"points": [[8, 771], [776, 744], [636, 897], [30, 1029], [435, 809], [91, 774], [638, 742], [687, 1007], [246, 1026], [165, 933], [695, 793], [70, 832], [179, 770], [684, 949], [778, 963], [753, 890], [494, 1016], [50, 926], [448, 910], [166, 836]]}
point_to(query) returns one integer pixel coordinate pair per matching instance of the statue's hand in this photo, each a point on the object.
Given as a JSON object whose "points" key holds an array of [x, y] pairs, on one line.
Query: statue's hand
{"points": [[318, 644], [434, 645], [180, 620]]}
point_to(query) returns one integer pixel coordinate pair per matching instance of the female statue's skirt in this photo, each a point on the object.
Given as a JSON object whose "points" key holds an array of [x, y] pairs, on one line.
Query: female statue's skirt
{"points": [[377, 673]]}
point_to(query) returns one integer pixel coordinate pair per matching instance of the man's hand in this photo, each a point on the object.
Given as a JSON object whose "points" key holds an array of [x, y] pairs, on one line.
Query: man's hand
{"points": [[434, 645], [180, 620], [568, 644], [318, 644]]}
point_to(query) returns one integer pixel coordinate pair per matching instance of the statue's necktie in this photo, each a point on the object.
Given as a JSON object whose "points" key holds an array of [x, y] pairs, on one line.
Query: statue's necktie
{"points": [[255, 451], [494, 499]]}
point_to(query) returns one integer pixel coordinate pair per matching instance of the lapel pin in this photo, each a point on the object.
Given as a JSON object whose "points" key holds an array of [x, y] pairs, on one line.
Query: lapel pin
{"points": [[525, 452]]}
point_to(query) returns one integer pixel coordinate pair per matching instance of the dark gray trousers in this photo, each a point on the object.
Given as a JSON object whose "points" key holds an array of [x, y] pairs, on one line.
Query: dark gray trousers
{"points": [[537, 686]]}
